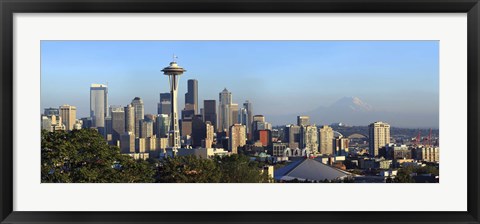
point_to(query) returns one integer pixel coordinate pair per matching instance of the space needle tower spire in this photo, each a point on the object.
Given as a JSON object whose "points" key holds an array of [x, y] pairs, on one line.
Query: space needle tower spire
{"points": [[173, 72]]}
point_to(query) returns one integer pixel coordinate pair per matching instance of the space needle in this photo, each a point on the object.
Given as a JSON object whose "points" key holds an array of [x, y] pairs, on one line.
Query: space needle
{"points": [[173, 72]]}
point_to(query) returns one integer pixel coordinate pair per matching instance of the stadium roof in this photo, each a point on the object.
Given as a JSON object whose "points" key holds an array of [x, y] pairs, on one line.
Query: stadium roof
{"points": [[309, 169]]}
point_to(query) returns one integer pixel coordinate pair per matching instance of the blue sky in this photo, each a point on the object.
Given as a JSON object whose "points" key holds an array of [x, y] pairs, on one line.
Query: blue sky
{"points": [[279, 77]]}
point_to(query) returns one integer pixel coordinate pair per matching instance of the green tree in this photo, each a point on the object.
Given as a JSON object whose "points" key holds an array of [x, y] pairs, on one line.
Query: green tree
{"points": [[188, 169], [238, 168], [82, 156]]}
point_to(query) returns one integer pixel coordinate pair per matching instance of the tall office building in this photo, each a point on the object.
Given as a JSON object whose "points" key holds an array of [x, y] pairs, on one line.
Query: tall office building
{"points": [[146, 128], [326, 140], [234, 114], [237, 137], [165, 104], [191, 97], [118, 123], [309, 138], [199, 131], [51, 111], [340, 146], [242, 117], [264, 136], [224, 113], [249, 116], [379, 136], [210, 112], [98, 105], [129, 111], [303, 120], [163, 125], [208, 142], [127, 142], [292, 135], [69, 116], [137, 104]]}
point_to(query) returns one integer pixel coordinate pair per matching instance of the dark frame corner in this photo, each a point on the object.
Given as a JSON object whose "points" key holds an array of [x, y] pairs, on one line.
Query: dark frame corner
{"points": [[9, 7]]}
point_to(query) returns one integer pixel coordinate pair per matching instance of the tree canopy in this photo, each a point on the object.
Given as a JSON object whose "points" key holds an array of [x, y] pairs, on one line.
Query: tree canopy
{"points": [[82, 156]]}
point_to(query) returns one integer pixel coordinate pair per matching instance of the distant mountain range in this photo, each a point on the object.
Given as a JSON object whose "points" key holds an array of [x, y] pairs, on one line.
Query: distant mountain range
{"points": [[354, 111]]}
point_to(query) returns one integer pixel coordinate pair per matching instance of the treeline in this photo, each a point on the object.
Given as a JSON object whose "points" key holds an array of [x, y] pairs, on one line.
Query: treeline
{"points": [[82, 156]]}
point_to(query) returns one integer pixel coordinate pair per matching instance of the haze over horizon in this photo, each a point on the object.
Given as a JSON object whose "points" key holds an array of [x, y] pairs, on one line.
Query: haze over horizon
{"points": [[331, 81]]}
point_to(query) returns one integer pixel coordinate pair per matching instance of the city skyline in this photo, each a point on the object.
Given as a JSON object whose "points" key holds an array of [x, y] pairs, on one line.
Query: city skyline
{"points": [[265, 79]]}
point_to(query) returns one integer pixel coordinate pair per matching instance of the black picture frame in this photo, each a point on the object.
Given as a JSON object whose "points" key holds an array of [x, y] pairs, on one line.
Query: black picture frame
{"points": [[9, 7]]}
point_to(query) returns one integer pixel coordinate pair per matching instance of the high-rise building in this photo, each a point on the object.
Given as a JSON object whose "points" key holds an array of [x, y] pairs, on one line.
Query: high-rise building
{"points": [[173, 71], [199, 131], [191, 97], [248, 120], [303, 120], [292, 135], [208, 142], [52, 123], [242, 117], [326, 140], [137, 104], [237, 137], [129, 111], [210, 112], [118, 123], [69, 116], [234, 114], [259, 123], [163, 125], [186, 127], [51, 111], [224, 112], [264, 136], [107, 131], [165, 104], [340, 146], [379, 136], [98, 105], [127, 142], [146, 128], [309, 138]]}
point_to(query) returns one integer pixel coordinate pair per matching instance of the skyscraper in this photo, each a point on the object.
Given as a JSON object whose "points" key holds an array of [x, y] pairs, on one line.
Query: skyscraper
{"points": [[137, 104], [165, 105], [210, 112], [309, 138], [224, 113], [379, 136], [191, 97], [340, 146], [98, 105], [163, 125], [237, 137], [173, 71], [249, 118], [242, 117], [208, 142], [51, 111], [127, 142], [234, 114], [118, 123], [199, 131], [292, 134], [129, 111], [146, 128], [326, 140], [69, 116], [303, 120]]}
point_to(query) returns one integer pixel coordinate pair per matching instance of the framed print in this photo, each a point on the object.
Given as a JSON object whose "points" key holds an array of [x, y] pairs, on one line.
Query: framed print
{"points": [[234, 111]]}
